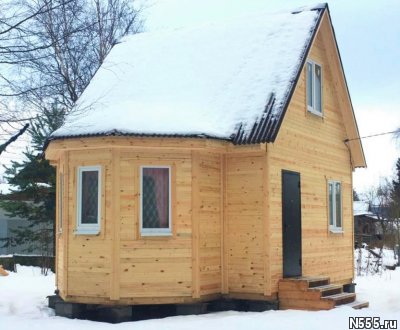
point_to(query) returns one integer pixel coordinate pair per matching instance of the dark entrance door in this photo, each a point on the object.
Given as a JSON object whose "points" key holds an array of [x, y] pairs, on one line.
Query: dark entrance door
{"points": [[291, 224]]}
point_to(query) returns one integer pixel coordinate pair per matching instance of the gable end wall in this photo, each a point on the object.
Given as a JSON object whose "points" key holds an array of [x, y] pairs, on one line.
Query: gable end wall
{"points": [[313, 146]]}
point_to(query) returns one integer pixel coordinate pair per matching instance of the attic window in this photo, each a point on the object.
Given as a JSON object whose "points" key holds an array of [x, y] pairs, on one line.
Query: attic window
{"points": [[314, 87], [155, 200]]}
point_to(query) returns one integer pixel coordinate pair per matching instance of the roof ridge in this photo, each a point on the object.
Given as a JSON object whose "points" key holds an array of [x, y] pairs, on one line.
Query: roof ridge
{"points": [[227, 21], [187, 84]]}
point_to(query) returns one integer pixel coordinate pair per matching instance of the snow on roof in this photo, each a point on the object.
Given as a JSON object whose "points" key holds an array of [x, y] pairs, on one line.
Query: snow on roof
{"points": [[360, 208], [205, 80]]}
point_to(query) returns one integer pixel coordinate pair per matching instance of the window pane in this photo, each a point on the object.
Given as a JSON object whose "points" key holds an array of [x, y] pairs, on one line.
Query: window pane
{"points": [[309, 79], [60, 203], [155, 198], [89, 198], [330, 203], [318, 88], [338, 204]]}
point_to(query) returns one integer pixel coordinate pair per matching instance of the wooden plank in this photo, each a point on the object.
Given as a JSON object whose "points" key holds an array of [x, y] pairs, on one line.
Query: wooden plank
{"points": [[67, 223], [210, 223], [195, 225], [299, 295], [266, 225], [56, 248], [305, 304], [116, 222], [250, 296], [244, 210], [140, 300]]}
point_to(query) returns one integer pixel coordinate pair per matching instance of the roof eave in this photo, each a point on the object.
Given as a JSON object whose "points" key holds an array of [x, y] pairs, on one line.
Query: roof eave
{"points": [[272, 132]]}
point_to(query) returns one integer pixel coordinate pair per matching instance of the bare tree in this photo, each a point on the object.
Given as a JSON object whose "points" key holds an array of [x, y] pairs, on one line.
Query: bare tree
{"points": [[65, 45], [386, 212], [13, 138], [50, 50], [379, 199], [14, 22], [53, 56]]}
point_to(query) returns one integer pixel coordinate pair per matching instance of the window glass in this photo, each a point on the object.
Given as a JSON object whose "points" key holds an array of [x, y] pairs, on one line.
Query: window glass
{"points": [[309, 84], [318, 88], [155, 198], [338, 200], [331, 203], [89, 197]]}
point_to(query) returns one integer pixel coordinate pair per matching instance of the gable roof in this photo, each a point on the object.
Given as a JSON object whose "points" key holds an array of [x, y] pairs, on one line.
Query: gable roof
{"points": [[360, 208], [231, 80]]}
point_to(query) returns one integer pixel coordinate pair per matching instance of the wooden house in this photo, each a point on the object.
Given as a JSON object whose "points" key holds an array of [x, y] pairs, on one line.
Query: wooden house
{"points": [[365, 224], [208, 162]]}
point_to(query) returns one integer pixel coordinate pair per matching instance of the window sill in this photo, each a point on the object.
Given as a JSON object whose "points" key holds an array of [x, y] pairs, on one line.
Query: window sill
{"points": [[155, 234], [315, 113], [87, 232], [336, 231]]}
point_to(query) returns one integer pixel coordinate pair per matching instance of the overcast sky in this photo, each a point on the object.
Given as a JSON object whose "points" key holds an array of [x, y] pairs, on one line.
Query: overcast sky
{"points": [[368, 34]]}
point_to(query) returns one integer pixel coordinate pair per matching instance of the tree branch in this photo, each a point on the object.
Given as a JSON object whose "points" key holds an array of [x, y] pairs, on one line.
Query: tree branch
{"points": [[13, 138]]}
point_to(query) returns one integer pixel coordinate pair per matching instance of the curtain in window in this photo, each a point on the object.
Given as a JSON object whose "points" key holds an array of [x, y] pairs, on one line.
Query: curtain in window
{"points": [[155, 199]]}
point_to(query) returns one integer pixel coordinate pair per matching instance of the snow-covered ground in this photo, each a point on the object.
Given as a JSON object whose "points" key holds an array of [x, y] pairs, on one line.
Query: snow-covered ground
{"points": [[23, 306], [366, 261]]}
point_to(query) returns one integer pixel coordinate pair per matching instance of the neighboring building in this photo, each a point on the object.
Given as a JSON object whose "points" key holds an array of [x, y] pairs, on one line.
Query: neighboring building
{"points": [[8, 226], [7, 234], [365, 224], [374, 226], [212, 162]]}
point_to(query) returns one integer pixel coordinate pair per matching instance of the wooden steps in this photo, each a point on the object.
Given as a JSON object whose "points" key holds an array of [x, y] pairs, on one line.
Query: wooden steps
{"points": [[314, 293], [358, 304]]}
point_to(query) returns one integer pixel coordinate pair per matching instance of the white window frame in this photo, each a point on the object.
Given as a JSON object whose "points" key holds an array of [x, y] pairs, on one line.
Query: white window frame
{"points": [[60, 201], [156, 231], [85, 228], [334, 228], [312, 108]]}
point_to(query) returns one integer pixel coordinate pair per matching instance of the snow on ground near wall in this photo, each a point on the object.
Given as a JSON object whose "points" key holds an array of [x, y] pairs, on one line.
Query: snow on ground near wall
{"points": [[24, 293], [23, 306]]}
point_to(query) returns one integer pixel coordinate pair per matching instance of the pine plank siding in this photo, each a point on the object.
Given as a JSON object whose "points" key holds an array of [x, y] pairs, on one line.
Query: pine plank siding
{"points": [[155, 264], [207, 210], [184, 266], [89, 261], [244, 213]]}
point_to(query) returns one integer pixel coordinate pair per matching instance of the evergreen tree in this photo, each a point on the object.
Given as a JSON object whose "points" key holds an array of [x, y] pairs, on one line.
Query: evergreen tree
{"points": [[396, 184], [395, 206], [356, 198], [34, 196]]}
